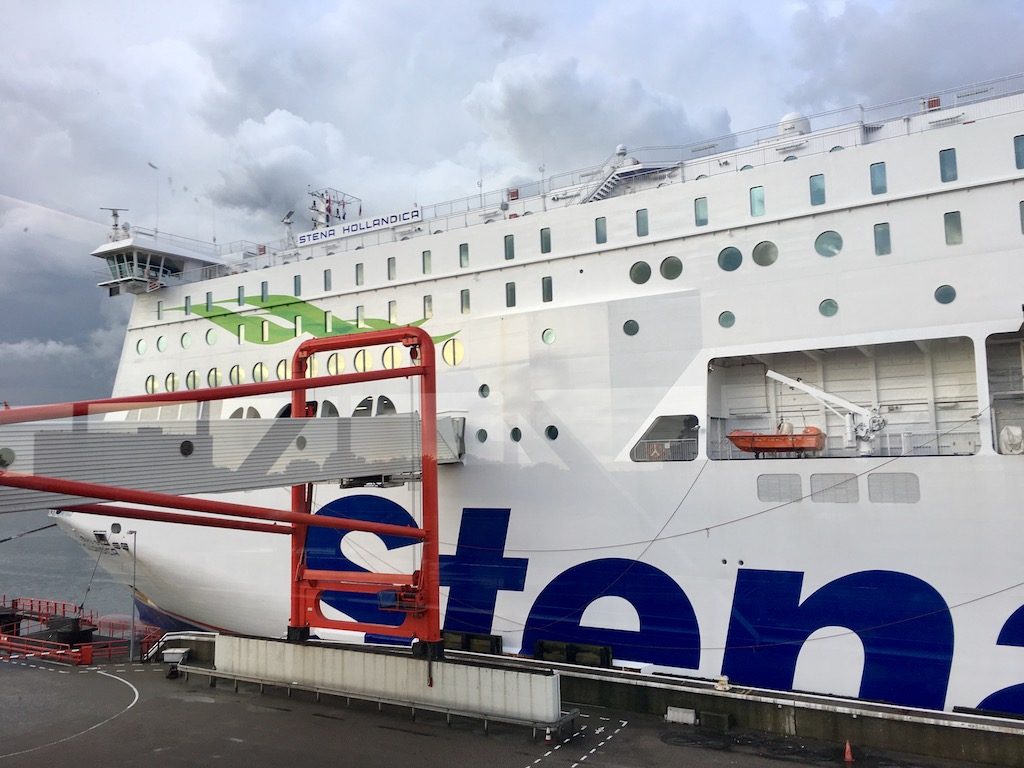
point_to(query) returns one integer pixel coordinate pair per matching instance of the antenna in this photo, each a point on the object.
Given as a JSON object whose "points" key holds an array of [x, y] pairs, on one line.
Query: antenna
{"points": [[114, 212], [289, 235]]}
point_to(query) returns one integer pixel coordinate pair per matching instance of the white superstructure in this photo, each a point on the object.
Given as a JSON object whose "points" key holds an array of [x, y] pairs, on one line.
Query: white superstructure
{"points": [[603, 333]]}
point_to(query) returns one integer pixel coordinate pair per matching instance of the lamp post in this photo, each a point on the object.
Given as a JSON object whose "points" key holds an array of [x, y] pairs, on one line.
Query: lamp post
{"points": [[131, 640]]}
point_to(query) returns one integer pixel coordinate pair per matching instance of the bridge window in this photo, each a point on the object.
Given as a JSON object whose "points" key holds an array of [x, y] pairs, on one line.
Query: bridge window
{"points": [[600, 230], [510, 247], [669, 438]]}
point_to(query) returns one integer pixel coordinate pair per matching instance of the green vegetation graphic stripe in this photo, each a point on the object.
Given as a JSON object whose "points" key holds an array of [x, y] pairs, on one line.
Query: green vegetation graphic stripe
{"points": [[280, 311]]}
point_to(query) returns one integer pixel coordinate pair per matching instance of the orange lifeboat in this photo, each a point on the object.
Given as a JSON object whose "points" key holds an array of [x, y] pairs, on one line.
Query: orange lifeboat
{"points": [[808, 440]]}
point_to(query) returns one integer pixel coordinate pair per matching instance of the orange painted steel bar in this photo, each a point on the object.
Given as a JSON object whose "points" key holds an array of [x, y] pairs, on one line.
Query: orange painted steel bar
{"points": [[136, 513]]}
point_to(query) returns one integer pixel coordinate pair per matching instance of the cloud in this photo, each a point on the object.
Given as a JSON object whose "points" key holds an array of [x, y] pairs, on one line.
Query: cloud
{"points": [[543, 107]]}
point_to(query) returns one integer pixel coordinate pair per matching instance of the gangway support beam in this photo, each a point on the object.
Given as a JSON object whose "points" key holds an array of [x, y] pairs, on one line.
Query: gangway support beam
{"points": [[418, 592]]}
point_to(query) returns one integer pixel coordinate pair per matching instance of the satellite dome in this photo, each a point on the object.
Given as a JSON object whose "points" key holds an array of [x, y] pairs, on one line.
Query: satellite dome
{"points": [[621, 150], [794, 124]]}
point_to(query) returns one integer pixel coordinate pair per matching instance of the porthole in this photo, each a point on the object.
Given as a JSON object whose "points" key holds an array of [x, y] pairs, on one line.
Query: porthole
{"points": [[788, 158], [481, 435], [836, 148], [140, 346], [335, 364], [363, 362], [631, 327], [484, 390], [828, 243], [150, 385], [115, 527], [390, 358], [765, 253], [171, 382], [161, 343], [516, 434], [747, 168], [548, 336], [283, 369], [671, 268], [186, 340], [828, 307], [211, 336], [701, 176], [945, 294], [260, 372], [551, 432], [730, 258], [640, 272], [214, 377], [452, 352], [236, 375], [191, 380], [727, 319]]}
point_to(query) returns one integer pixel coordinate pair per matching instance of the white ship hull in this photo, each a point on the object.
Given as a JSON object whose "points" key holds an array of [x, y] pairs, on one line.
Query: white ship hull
{"points": [[887, 569]]}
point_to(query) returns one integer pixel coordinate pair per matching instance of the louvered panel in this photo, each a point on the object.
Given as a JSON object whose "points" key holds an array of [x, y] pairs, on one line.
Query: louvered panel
{"points": [[214, 456]]}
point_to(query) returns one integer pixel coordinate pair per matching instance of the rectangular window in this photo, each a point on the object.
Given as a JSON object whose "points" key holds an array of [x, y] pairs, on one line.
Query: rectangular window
{"points": [[393, 312], [600, 230], [879, 184], [510, 247], [209, 301], [757, 201], [510, 294], [545, 240], [241, 334], [264, 291], [426, 262], [265, 331], [954, 231], [1021, 231], [298, 326], [297, 285], [642, 228], [391, 267], [359, 316], [464, 300], [327, 279], [188, 305], [328, 321], [817, 184], [1018, 150], [947, 164], [463, 255], [883, 245], [160, 303], [700, 211], [359, 273], [545, 289], [241, 295], [428, 307]]}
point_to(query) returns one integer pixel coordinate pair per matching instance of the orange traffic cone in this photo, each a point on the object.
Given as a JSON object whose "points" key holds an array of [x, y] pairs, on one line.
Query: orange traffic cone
{"points": [[848, 754]]}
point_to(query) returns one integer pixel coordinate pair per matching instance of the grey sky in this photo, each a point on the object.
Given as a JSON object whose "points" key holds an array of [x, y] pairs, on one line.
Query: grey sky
{"points": [[242, 105]]}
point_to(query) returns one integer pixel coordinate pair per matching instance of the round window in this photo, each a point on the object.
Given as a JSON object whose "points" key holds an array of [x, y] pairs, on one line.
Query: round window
{"points": [[945, 294], [551, 432], [828, 243], [186, 340], [236, 375], [730, 259], [259, 372], [631, 327], [283, 370], [211, 337], [548, 336], [516, 434], [481, 435], [214, 378], [140, 346], [363, 362], [727, 319], [452, 352], [671, 268], [335, 364], [640, 272], [765, 253], [191, 380], [150, 385], [828, 307], [171, 383], [390, 357], [484, 390], [161, 343]]}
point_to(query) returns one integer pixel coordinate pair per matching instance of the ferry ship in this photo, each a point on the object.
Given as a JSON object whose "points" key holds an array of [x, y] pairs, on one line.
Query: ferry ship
{"points": [[748, 408]]}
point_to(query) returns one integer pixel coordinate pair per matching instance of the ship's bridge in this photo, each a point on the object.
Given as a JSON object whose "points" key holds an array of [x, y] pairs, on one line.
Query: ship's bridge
{"points": [[140, 260]]}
